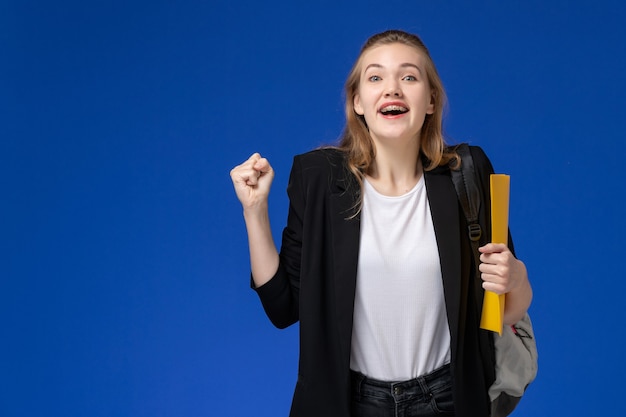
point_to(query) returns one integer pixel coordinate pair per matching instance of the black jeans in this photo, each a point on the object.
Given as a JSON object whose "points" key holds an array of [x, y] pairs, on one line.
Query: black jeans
{"points": [[426, 396]]}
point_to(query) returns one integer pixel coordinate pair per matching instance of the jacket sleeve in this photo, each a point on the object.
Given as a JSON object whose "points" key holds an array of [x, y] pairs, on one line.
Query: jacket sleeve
{"points": [[280, 295]]}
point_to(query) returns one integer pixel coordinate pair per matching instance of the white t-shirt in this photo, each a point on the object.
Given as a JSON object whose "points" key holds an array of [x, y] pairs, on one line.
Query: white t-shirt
{"points": [[400, 326]]}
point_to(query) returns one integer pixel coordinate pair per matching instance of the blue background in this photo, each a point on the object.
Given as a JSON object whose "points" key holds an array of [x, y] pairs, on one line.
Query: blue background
{"points": [[123, 259]]}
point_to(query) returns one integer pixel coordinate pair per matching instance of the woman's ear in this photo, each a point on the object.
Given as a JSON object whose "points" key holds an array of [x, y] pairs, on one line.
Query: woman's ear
{"points": [[358, 109], [431, 106]]}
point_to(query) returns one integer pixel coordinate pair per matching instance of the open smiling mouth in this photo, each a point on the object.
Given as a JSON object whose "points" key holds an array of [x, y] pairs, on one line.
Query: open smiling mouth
{"points": [[393, 110]]}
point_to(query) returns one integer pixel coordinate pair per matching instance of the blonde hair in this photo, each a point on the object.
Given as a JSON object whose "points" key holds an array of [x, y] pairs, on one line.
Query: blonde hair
{"points": [[356, 140]]}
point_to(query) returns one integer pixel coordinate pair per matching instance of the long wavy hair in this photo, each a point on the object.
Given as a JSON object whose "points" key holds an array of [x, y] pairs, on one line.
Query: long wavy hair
{"points": [[356, 140]]}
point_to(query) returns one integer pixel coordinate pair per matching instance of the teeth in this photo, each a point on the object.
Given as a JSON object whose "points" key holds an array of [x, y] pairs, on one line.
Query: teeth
{"points": [[393, 108]]}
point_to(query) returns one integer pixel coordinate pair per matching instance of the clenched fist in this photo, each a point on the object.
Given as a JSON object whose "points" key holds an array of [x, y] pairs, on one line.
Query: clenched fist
{"points": [[252, 181]]}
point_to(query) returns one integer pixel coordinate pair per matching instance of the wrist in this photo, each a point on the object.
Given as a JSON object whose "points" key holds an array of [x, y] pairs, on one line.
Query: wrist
{"points": [[257, 212]]}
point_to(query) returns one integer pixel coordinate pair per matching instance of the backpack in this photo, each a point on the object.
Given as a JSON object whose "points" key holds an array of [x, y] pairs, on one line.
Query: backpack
{"points": [[516, 348]]}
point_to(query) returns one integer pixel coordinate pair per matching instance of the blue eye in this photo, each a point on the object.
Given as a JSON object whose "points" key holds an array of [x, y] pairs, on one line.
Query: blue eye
{"points": [[410, 78], [374, 78]]}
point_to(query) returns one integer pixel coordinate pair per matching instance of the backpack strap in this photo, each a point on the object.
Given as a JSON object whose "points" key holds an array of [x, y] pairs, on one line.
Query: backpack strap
{"points": [[469, 195]]}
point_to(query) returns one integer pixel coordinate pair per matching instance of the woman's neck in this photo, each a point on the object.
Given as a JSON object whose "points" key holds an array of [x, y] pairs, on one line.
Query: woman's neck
{"points": [[395, 170]]}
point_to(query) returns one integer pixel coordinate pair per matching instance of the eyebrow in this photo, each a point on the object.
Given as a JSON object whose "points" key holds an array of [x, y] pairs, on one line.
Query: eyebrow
{"points": [[405, 65]]}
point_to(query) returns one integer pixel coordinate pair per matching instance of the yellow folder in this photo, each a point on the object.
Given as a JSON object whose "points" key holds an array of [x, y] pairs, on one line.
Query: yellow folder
{"points": [[493, 304]]}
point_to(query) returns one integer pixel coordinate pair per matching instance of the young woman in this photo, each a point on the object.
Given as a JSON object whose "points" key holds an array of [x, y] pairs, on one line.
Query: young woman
{"points": [[375, 263]]}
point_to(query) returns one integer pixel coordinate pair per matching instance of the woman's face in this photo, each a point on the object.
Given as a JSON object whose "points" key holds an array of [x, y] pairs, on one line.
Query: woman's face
{"points": [[394, 95]]}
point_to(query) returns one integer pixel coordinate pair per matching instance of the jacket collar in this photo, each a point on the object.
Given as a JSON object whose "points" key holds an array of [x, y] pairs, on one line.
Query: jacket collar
{"points": [[444, 208]]}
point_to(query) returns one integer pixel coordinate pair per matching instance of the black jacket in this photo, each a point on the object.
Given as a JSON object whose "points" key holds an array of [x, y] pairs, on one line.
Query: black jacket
{"points": [[316, 279]]}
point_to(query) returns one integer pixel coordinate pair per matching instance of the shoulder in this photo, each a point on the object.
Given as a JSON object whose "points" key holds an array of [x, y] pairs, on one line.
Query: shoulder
{"points": [[479, 158], [321, 163], [323, 169], [482, 164], [323, 158]]}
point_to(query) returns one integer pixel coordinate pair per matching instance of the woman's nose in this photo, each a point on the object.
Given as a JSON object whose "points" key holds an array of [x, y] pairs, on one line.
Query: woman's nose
{"points": [[393, 90]]}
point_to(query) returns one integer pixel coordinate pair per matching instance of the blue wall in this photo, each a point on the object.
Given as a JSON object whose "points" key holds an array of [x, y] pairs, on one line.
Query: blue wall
{"points": [[123, 258]]}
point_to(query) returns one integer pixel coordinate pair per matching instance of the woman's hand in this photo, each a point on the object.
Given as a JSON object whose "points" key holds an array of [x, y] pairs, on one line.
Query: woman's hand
{"points": [[502, 273], [499, 268], [252, 181]]}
